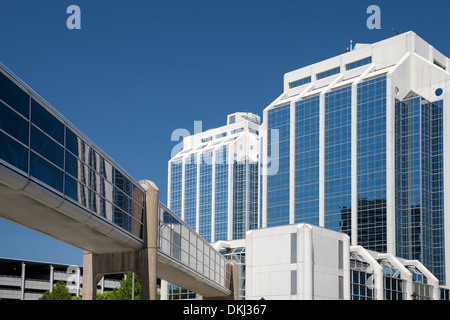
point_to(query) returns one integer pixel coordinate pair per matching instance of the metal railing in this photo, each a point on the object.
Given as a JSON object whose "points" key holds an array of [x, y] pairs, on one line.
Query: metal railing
{"points": [[178, 241]]}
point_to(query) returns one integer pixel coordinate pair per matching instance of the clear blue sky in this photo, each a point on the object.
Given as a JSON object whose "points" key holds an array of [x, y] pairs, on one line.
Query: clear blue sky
{"points": [[138, 70]]}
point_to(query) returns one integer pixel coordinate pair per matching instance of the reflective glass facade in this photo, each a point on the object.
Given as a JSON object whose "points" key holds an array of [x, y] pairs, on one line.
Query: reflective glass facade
{"points": [[371, 129], [221, 194], [338, 192], [239, 199], [245, 198], [190, 190], [278, 183], [36, 141], [176, 172], [307, 160], [419, 182], [219, 188], [205, 205]]}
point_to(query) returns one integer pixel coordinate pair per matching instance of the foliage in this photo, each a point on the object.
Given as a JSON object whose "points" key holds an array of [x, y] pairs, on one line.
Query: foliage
{"points": [[59, 292], [123, 292]]}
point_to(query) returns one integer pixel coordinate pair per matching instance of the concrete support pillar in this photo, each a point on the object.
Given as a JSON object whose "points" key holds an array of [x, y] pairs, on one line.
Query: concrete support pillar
{"points": [[52, 276], [142, 262], [22, 285], [90, 276], [148, 255]]}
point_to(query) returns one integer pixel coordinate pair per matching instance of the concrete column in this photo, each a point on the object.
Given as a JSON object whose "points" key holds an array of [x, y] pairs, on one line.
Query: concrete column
{"points": [[143, 262], [52, 276], [148, 255], [78, 282], [22, 286], [90, 276], [164, 289]]}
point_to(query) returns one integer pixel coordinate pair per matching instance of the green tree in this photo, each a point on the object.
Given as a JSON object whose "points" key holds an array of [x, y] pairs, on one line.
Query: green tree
{"points": [[124, 291], [59, 292]]}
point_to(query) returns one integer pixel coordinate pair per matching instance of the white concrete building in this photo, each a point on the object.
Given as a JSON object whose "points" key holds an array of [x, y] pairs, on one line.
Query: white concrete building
{"points": [[298, 262], [308, 262]]}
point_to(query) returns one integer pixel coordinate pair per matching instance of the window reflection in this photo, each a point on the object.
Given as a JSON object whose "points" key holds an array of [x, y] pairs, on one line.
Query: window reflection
{"points": [[47, 122], [13, 152], [46, 147], [68, 165], [46, 172], [13, 124]]}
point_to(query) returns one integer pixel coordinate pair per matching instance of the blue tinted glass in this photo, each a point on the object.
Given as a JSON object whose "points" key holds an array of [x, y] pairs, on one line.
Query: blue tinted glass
{"points": [[190, 191], [71, 187], [13, 152], [14, 96], [205, 195], [278, 153], [48, 123], [221, 194], [176, 185], [13, 124], [46, 172], [72, 142], [419, 183], [239, 199], [122, 182], [299, 82], [46, 147], [122, 201], [338, 160], [71, 165], [253, 168], [358, 63], [371, 167], [307, 160], [328, 73]]}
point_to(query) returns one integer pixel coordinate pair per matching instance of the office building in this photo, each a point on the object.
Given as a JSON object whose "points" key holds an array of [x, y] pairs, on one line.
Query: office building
{"points": [[213, 180], [358, 143]]}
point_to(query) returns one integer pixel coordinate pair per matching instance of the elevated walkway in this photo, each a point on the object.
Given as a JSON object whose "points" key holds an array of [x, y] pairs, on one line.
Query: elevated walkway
{"points": [[54, 180]]}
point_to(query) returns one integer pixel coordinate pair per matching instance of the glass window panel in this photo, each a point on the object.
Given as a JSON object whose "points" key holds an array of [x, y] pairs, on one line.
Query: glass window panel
{"points": [[137, 228], [71, 165], [358, 63], [299, 82], [71, 187], [72, 142], [328, 73], [13, 124], [47, 122], [122, 182], [14, 96], [278, 144], [138, 195], [46, 172], [46, 147], [13, 152]]}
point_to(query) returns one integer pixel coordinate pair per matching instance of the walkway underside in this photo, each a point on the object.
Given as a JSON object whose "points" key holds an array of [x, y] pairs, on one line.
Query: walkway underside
{"points": [[27, 204], [177, 273]]}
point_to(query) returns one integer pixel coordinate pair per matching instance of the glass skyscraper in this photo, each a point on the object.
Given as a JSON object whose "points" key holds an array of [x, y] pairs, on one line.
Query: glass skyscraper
{"points": [[213, 181], [356, 144]]}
